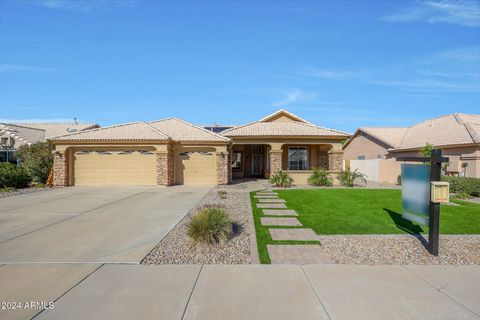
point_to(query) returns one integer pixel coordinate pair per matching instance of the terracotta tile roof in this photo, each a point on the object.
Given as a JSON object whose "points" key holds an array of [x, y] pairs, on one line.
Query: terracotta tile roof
{"points": [[58, 129], [391, 136], [282, 129], [26, 134], [163, 130], [124, 132], [183, 131], [452, 129]]}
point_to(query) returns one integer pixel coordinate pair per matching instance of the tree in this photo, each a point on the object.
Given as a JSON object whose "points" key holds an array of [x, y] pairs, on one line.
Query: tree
{"points": [[37, 159], [426, 150]]}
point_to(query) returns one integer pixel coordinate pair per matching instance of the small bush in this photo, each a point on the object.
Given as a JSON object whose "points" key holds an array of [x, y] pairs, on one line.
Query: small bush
{"points": [[222, 194], [37, 159], [281, 179], [463, 185], [399, 180], [13, 176], [320, 177], [348, 177], [209, 225]]}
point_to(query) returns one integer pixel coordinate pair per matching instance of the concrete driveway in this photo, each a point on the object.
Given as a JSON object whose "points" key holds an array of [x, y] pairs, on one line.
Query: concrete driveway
{"points": [[91, 224]]}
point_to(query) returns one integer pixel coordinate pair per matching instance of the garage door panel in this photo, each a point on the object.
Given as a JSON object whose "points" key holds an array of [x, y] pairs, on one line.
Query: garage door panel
{"points": [[195, 167], [114, 168]]}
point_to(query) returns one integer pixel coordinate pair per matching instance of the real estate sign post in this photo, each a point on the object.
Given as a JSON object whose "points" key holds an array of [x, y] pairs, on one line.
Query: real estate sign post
{"points": [[418, 204]]}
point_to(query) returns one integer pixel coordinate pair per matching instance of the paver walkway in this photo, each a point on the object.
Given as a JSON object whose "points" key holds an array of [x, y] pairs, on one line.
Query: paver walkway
{"points": [[298, 254], [289, 222], [288, 253]]}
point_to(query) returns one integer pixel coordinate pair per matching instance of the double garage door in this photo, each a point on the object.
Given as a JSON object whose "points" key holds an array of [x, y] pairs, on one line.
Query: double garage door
{"points": [[138, 167]]}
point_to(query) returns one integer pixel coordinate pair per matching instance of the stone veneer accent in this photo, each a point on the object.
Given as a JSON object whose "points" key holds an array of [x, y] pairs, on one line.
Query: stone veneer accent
{"points": [[223, 168], [275, 162], [165, 172], [60, 169], [335, 160], [323, 160]]}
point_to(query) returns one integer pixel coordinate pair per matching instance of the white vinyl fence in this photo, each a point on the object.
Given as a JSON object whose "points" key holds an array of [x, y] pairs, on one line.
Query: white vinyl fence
{"points": [[379, 170]]}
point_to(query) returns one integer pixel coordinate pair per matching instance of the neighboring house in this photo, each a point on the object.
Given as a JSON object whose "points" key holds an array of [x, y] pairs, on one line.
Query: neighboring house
{"points": [[217, 128], [458, 135], [173, 151], [14, 135]]}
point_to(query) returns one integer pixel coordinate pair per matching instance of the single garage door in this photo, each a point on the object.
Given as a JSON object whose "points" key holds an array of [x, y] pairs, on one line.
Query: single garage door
{"points": [[195, 167], [124, 167]]}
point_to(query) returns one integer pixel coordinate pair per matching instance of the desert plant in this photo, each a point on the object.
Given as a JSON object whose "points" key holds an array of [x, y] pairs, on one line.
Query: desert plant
{"points": [[281, 179], [222, 194], [320, 177], [13, 176], [348, 177], [37, 159], [209, 225]]}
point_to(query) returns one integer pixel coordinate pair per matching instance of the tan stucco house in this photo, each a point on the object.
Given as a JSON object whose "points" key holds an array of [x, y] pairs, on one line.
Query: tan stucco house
{"points": [[173, 151], [458, 135]]}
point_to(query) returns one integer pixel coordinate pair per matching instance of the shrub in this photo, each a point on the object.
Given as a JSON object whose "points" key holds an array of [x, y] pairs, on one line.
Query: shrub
{"points": [[399, 180], [427, 150], [209, 225], [13, 176], [463, 185], [281, 179], [37, 159], [320, 177], [348, 177], [222, 194]]}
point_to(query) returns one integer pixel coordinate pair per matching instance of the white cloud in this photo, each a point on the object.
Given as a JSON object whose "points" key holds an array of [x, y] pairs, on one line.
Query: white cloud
{"points": [[86, 5], [290, 97], [5, 67], [458, 12]]}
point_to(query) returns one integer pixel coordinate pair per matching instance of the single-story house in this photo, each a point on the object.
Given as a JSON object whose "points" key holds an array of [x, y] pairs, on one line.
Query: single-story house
{"points": [[173, 151], [458, 135], [14, 135]]}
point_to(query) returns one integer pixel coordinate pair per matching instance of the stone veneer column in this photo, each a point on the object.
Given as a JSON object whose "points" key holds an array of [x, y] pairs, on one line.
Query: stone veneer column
{"points": [[165, 169], [335, 160], [275, 161], [323, 160], [223, 168], [60, 169]]}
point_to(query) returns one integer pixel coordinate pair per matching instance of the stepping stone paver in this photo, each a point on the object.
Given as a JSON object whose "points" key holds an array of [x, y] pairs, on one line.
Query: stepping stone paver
{"points": [[266, 194], [261, 196], [290, 222], [271, 200], [271, 205], [296, 234], [287, 212], [297, 254]]}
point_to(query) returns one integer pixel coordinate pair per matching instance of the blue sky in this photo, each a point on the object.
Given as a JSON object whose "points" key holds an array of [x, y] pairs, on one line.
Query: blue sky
{"points": [[339, 64]]}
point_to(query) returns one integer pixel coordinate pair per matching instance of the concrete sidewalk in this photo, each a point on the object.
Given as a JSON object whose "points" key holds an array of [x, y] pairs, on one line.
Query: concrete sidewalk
{"points": [[113, 291]]}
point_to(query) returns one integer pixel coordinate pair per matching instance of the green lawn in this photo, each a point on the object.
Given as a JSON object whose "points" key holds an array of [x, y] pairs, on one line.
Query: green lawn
{"points": [[362, 211]]}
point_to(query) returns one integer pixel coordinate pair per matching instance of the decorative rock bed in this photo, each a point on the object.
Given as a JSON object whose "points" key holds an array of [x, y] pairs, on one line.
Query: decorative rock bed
{"points": [[177, 248], [405, 250], [19, 192]]}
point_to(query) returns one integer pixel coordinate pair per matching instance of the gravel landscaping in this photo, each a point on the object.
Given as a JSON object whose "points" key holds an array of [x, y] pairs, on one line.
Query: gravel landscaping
{"points": [[405, 250], [19, 192], [177, 248]]}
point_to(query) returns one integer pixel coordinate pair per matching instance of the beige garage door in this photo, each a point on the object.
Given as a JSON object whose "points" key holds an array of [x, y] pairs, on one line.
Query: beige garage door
{"points": [[195, 167], [125, 167]]}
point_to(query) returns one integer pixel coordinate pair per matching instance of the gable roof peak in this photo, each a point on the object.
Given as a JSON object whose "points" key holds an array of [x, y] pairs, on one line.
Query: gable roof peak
{"points": [[286, 113]]}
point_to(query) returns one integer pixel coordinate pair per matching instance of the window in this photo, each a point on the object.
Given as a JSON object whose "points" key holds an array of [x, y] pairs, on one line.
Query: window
{"points": [[379, 156], [297, 158], [257, 148], [236, 160], [361, 158]]}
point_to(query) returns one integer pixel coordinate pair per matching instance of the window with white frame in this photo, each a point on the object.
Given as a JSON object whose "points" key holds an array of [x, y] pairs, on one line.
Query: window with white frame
{"points": [[297, 158]]}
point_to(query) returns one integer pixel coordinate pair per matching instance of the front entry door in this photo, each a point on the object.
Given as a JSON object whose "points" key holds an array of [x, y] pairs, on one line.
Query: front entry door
{"points": [[257, 164]]}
